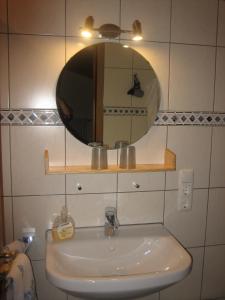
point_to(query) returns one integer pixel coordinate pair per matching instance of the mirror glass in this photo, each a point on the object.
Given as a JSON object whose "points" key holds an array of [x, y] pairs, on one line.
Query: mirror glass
{"points": [[108, 93]]}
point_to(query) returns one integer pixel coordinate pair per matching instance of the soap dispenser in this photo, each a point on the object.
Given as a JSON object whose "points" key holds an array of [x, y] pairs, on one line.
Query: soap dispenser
{"points": [[63, 226]]}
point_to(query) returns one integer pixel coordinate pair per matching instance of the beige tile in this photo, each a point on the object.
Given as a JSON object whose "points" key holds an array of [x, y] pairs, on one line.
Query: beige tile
{"points": [[157, 54], [190, 287], [220, 81], [192, 147], [217, 175], [78, 153], [151, 147], [37, 16], [8, 219], [140, 62], [153, 15], [91, 183], [194, 21], [35, 64], [102, 11], [4, 86], [216, 217], [214, 273], [183, 224], [117, 82], [6, 165], [37, 212], [150, 297], [76, 44], [28, 173], [117, 56], [146, 181], [3, 15], [116, 128], [45, 290], [140, 127], [140, 207], [150, 86], [89, 210], [192, 78], [221, 24]]}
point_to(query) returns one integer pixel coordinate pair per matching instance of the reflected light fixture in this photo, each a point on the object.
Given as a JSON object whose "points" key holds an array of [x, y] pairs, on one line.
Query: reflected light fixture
{"points": [[110, 31]]}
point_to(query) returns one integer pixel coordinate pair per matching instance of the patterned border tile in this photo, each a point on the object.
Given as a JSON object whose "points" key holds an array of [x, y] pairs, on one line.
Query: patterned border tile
{"points": [[44, 117], [125, 111], [190, 118], [30, 117]]}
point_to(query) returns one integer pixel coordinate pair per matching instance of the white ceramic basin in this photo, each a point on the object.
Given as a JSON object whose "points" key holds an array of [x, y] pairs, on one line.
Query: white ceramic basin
{"points": [[138, 260]]}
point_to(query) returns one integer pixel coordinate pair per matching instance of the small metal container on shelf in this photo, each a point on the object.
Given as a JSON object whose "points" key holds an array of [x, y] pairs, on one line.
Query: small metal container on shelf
{"points": [[99, 160], [127, 158]]}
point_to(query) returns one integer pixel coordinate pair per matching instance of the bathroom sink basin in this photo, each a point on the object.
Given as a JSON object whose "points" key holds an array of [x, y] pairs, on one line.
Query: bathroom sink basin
{"points": [[138, 260]]}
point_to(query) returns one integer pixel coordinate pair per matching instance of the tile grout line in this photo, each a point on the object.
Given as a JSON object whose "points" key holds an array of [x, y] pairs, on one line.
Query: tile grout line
{"points": [[210, 158], [65, 139]]}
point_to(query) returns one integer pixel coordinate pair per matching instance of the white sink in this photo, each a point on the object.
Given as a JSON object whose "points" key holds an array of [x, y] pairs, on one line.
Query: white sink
{"points": [[138, 260]]}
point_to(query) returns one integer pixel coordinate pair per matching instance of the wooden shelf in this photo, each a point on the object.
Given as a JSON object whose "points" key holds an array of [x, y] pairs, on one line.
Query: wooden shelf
{"points": [[169, 165]]}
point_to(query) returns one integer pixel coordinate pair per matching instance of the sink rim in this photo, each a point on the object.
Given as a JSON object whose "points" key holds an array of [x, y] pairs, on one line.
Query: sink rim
{"points": [[155, 279]]}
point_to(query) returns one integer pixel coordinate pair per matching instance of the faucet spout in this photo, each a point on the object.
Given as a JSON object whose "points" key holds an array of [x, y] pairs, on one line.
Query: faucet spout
{"points": [[111, 223]]}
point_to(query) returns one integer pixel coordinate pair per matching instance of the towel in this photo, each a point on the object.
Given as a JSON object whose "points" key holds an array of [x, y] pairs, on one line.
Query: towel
{"points": [[15, 246], [21, 275]]}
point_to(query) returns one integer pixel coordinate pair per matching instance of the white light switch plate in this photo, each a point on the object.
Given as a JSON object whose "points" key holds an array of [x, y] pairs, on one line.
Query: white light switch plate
{"points": [[185, 189]]}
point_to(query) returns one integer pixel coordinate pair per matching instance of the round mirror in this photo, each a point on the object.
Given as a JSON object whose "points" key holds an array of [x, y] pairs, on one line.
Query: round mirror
{"points": [[107, 93]]}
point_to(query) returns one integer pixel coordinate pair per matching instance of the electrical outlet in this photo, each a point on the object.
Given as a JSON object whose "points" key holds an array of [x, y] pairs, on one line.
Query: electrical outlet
{"points": [[185, 189]]}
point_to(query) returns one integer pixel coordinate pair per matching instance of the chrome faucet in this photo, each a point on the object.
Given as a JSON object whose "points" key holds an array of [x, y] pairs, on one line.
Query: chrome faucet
{"points": [[111, 222]]}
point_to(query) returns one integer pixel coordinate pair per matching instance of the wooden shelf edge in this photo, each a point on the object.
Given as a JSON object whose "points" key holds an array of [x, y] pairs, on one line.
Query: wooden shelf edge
{"points": [[169, 165]]}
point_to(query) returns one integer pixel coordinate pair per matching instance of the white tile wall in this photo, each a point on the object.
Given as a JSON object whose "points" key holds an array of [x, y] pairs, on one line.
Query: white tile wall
{"points": [[192, 147], [45, 290], [158, 56], [221, 24], [35, 64], [217, 174], [28, 173], [8, 213], [215, 220], [187, 226], [190, 287], [194, 21], [220, 80], [186, 72], [89, 210], [6, 163], [191, 78], [3, 16], [102, 11], [91, 183], [140, 207], [37, 212], [150, 148], [154, 16], [39, 17], [214, 273], [146, 182], [4, 86]]}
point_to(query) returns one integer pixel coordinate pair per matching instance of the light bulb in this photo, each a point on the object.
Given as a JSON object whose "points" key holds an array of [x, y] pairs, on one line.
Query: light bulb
{"points": [[137, 38], [86, 33]]}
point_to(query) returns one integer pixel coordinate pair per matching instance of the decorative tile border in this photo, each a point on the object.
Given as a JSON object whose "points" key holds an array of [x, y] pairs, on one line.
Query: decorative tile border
{"points": [[190, 118], [44, 117], [125, 111], [30, 117]]}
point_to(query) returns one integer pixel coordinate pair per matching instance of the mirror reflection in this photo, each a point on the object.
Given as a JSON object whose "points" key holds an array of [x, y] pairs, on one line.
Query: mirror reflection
{"points": [[108, 93]]}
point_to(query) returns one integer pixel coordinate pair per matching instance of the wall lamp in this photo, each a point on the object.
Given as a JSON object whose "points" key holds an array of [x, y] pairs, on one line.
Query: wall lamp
{"points": [[110, 31]]}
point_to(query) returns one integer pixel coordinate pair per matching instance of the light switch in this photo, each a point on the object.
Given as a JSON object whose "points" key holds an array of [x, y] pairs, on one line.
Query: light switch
{"points": [[185, 189]]}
